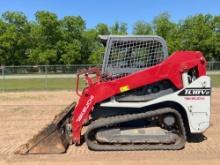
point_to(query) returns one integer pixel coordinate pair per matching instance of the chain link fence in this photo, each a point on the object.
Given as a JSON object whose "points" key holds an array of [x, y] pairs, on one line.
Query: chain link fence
{"points": [[43, 69], [39, 77], [54, 77], [213, 66]]}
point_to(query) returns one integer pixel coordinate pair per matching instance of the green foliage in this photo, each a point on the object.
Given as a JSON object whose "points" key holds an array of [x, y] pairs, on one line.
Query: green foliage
{"points": [[49, 40], [142, 28], [45, 33], [119, 29], [90, 41], [14, 37], [72, 27], [163, 26], [71, 52], [49, 30], [96, 56], [47, 56], [197, 34], [102, 29], [216, 37], [168, 30]]}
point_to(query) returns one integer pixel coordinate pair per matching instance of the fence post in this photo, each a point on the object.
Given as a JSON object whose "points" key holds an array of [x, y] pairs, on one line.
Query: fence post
{"points": [[46, 82], [3, 78], [211, 66]]}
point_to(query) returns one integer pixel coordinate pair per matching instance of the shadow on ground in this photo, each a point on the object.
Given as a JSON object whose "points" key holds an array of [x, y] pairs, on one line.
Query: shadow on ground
{"points": [[196, 138]]}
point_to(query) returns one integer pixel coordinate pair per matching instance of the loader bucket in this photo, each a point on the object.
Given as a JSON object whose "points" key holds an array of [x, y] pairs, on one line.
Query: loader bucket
{"points": [[53, 139]]}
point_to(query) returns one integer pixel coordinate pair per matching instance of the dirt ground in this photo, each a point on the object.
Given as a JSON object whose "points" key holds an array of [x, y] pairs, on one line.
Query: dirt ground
{"points": [[23, 114]]}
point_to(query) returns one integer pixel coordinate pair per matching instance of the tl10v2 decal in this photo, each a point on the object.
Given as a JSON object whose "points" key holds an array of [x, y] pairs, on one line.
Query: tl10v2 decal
{"points": [[195, 92]]}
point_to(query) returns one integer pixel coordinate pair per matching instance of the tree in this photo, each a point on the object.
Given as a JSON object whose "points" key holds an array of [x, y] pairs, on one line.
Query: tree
{"points": [[142, 28], [197, 33], [216, 37], [72, 27], [37, 56], [45, 33], [14, 37], [71, 52], [163, 26], [3, 45], [119, 29], [168, 30], [69, 46], [49, 40], [89, 40], [96, 56], [102, 29], [49, 29]]}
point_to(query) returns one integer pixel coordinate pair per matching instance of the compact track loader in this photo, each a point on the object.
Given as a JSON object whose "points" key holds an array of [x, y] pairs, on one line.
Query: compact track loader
{"points": [[141, 99]]}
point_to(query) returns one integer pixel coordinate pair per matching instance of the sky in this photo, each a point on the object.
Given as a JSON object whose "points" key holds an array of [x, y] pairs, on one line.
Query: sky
{"points": [[109, 11]]}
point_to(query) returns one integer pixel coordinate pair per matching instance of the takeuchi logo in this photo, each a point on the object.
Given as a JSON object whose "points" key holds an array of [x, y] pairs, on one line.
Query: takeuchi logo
{"points": [[85, 108]]}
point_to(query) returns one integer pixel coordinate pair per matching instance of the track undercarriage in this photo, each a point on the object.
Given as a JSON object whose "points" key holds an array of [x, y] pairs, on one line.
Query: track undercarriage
{"points": [[163, 129]]}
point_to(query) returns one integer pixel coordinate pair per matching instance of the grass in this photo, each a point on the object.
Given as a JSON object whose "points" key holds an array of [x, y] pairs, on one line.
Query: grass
{"points": [[57, 84], [215, 80], [39, 84]]}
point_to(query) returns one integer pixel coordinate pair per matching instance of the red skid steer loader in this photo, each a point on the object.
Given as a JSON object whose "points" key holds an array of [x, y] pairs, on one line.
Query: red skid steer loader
{"points": [[141, 99]]}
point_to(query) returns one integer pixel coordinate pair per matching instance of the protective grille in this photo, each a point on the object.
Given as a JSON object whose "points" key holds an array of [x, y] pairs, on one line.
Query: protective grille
{"points": [[127, 55]]}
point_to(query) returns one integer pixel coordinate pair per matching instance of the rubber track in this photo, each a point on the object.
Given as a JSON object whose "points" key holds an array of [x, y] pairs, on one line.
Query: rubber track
{"points": [[110, 121]]}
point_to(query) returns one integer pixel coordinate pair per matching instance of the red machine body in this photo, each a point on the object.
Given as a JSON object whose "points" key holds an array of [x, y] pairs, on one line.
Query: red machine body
{"points": [[170, 69]]}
